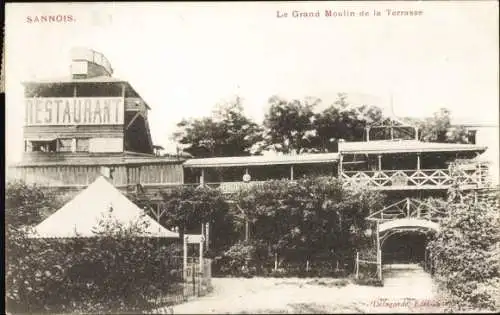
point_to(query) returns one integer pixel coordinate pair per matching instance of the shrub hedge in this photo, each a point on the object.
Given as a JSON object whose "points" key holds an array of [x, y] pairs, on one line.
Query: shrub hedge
{"points": [[113, 273], [465, 257]]}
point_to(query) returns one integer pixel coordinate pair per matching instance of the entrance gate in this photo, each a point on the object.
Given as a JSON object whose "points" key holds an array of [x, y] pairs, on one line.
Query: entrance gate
{"points": [[406, 215]]}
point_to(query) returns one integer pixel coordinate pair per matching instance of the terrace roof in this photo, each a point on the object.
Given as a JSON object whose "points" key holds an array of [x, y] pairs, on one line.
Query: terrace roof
{"points": [[262, 160], [402, 146]]}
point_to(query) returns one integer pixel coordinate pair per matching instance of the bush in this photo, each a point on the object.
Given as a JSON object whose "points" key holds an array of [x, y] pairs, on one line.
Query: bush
{"points": [[114, 273], [242, 259], [465, 257]]}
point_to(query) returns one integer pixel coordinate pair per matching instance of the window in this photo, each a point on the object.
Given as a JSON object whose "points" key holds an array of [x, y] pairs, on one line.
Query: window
{"points": [[65, 145], [82, 145], [41, 146]]}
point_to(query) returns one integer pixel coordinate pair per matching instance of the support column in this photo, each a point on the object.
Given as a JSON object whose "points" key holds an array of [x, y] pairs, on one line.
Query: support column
{"points": [[202, 177], [202, 240], [418, 161], [207, 236], [291, 172], [184, 257], [247, 232], [367, 134], [379, 157], [341, 158], [416, 133], [379, 255]]}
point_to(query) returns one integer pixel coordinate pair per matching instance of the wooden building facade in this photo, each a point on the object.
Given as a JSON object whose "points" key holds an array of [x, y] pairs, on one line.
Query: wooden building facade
{"points": [[87, 124]]}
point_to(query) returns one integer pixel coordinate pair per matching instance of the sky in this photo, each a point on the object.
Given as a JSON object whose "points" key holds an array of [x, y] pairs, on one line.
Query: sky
{"points": [[183, 58]]}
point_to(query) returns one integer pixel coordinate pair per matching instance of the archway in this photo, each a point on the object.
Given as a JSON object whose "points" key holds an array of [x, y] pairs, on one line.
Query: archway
{"points": [[405, 246]]}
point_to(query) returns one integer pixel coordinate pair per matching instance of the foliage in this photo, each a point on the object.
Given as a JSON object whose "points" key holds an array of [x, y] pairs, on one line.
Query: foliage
{"points": [[187, 207], [242, 259], [228, 132], [438, 128], [298, 126], [295, 127], [311, 219], [289, 125], [28, 204], [115, 272], [465, 256], [343, 121]]}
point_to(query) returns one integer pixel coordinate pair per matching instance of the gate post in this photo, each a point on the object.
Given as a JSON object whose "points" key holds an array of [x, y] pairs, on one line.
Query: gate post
{"points": [[379, 255]]}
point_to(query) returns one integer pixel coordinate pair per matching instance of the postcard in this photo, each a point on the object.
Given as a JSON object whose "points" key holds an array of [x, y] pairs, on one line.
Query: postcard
{"points": [[254, 157]]}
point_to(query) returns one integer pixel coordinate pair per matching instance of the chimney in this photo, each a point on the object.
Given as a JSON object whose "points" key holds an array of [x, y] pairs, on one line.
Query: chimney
{"points": [[87, 63]]}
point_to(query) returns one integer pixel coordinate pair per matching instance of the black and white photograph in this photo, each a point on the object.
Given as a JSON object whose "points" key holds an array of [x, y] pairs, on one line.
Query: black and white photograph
{"points": [[251, 157]]}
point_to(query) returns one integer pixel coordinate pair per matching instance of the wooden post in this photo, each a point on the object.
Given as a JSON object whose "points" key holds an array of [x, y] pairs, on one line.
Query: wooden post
{"points": [[247, 234], [379, 162], [416, 133], [356, 266], [392, 133], [275, 261], [207, 236], [408, 207], [367, 134], [341, 158], [291, 172], [201, 256], [379, 255], [418, 161], [307, 265], [202, 177], [184, 257]]}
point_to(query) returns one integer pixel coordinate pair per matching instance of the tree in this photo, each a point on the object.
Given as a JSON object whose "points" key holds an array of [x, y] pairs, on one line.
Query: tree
{"points": [[227, 132], [465, 256], [438, 129], [27, 205], [343, 121], [289, 124], [187, 207], [294, 126], [311, 218]]}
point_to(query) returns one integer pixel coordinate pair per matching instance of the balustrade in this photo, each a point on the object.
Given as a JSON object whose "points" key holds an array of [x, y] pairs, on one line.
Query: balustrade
{"points": [[417, 179]]}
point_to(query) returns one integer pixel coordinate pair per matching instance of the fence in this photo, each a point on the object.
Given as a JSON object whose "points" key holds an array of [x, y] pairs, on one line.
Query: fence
{"points": [[195, 283]]}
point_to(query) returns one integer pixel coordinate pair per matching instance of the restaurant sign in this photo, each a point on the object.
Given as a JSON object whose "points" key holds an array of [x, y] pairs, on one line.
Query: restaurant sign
{"points": [[74, 111]]}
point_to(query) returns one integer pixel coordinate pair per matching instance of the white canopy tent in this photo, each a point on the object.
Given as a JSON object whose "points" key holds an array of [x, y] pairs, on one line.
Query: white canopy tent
{"points": [[80, 216]]}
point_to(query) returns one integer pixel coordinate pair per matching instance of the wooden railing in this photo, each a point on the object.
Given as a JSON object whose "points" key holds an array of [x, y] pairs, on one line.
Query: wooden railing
{"points": [[417, 179]]}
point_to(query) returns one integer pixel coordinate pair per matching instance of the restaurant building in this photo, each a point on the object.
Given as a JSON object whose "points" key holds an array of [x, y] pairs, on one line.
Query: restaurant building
{"points": [[86, 124]]}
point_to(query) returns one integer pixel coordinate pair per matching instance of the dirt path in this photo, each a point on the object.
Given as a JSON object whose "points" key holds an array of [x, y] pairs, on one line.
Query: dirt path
{"points": [[407, 288]]}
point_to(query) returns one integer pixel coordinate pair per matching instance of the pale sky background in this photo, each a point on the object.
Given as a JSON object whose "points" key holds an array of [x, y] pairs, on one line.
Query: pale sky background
{"points": [[183, 58]]}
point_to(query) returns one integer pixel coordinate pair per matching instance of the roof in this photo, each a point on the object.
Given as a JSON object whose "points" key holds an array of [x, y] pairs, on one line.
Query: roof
{"points": [[80, 216], [262, 160], [401, 146], [95, 159], [70, 79]]}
